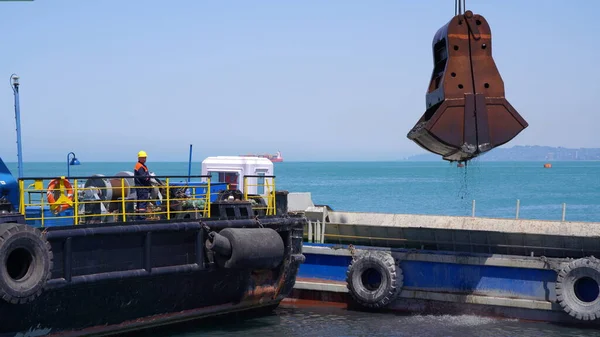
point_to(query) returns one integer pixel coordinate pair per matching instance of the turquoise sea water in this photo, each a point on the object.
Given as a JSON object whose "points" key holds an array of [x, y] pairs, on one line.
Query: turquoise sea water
{"points": [[415, 187]]}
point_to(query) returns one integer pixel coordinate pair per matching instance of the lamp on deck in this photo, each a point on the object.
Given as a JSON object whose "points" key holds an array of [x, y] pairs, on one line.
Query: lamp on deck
{"points": [[72, 161]]}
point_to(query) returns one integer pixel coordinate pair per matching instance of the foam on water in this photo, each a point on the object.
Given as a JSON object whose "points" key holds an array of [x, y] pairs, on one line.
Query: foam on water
{"points": [[461, 320], [333, 322]]}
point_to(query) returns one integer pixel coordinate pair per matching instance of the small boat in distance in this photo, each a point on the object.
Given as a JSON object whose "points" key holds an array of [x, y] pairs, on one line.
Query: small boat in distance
{"points": [[275, 158]]}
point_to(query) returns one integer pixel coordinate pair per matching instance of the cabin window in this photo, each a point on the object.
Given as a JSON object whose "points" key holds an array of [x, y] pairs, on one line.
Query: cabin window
{"points": [[260, 182], [260, 189], [231, 178]]}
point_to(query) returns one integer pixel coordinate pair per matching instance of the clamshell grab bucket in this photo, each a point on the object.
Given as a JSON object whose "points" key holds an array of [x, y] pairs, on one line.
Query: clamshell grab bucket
{"points": [[467, 113]]}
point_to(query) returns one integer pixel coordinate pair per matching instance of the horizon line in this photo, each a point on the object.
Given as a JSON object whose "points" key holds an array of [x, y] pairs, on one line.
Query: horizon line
{"points": [[317, 161]]}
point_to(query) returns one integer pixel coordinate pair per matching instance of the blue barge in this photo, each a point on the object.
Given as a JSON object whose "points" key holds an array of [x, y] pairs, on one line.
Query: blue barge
{"points": [[523, 269]]}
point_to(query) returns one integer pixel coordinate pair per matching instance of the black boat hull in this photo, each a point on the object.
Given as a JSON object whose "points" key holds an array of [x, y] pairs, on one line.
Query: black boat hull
{"points": [[115, 306], [114, 278]]}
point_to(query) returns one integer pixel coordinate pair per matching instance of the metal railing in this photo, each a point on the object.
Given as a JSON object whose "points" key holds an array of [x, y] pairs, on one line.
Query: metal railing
{"points": [[518, 209], [105, 199], [315, 230], [268, 192]]}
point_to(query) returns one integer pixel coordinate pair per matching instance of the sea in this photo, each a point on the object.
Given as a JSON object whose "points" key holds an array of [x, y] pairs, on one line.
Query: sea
{"points": [[481, 188]]}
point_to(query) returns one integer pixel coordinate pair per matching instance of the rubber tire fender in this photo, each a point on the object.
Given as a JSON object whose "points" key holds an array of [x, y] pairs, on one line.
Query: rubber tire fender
{"points": [[253, 248], [32, 247], [391, 274], [565, 288]]}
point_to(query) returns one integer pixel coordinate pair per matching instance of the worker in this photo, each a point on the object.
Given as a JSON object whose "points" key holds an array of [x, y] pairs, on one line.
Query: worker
{"points": [[142, 182]]}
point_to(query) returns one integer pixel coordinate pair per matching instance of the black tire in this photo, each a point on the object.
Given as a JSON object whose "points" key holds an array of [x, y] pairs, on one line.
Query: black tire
{"points": [[578, 289], [374, 295], [26, 258]]}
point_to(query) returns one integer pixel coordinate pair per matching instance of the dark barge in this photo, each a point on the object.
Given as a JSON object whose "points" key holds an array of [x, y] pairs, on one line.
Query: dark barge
{"points": [[77, 260]]}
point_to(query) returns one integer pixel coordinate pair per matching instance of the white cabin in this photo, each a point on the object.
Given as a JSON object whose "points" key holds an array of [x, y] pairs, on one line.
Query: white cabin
{"points": [[233, 169]]}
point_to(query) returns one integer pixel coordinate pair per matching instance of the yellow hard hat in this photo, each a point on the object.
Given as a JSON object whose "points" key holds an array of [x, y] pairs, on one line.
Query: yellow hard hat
{"points": [[142, 154]]}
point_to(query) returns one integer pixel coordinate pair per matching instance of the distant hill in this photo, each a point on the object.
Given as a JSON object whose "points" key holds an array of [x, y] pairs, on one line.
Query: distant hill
{"points": [[526, 153]]}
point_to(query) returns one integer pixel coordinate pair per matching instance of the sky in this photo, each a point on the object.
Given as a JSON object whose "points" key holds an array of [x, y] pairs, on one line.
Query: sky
{"points": [[317, 80]]}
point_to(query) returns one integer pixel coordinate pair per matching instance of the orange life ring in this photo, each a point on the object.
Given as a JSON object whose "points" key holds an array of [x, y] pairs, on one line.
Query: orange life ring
{"points": [[54, 186]]}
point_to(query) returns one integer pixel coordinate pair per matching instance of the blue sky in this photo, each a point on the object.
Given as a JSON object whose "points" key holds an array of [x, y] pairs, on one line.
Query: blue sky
{"points": [[318, 80]]}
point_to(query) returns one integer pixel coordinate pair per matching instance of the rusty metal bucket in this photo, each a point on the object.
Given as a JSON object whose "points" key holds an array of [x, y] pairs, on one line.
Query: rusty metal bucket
{"points": [[467, 113]]}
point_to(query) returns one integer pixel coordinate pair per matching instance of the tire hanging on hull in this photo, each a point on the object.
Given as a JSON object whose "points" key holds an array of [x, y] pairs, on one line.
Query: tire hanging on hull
{"points": [[578, 289], [374, 279], [26, 263]]}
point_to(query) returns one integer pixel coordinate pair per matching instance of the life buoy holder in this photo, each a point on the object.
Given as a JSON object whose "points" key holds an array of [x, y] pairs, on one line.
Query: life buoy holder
{"points": [[374, 279], [64, 201], [578, 288]]}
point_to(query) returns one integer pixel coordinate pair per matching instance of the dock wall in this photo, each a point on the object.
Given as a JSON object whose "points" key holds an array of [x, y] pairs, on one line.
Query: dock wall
{"points": [[449, 233]]}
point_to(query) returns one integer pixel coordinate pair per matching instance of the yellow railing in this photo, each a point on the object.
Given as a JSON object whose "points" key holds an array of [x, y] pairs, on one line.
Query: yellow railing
{"points": [[102, 199], [263, 188]]}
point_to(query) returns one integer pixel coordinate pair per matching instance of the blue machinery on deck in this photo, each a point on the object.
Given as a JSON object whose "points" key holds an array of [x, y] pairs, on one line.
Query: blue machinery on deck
{"points": [[9, 188]]}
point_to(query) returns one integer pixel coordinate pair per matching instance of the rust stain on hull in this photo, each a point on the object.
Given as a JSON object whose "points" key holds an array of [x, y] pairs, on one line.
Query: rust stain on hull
{"points": [[267, 285], [318, 296], [262, 287], [261, 294], [317, 280]]}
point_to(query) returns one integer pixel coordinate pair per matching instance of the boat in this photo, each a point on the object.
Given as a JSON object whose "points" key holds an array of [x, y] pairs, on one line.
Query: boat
{"points": [[78, 258], [275, 158], [424, 264]]}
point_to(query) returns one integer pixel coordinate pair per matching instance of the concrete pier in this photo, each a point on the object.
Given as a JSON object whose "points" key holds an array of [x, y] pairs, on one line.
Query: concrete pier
{"points": [[448, 233]]}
